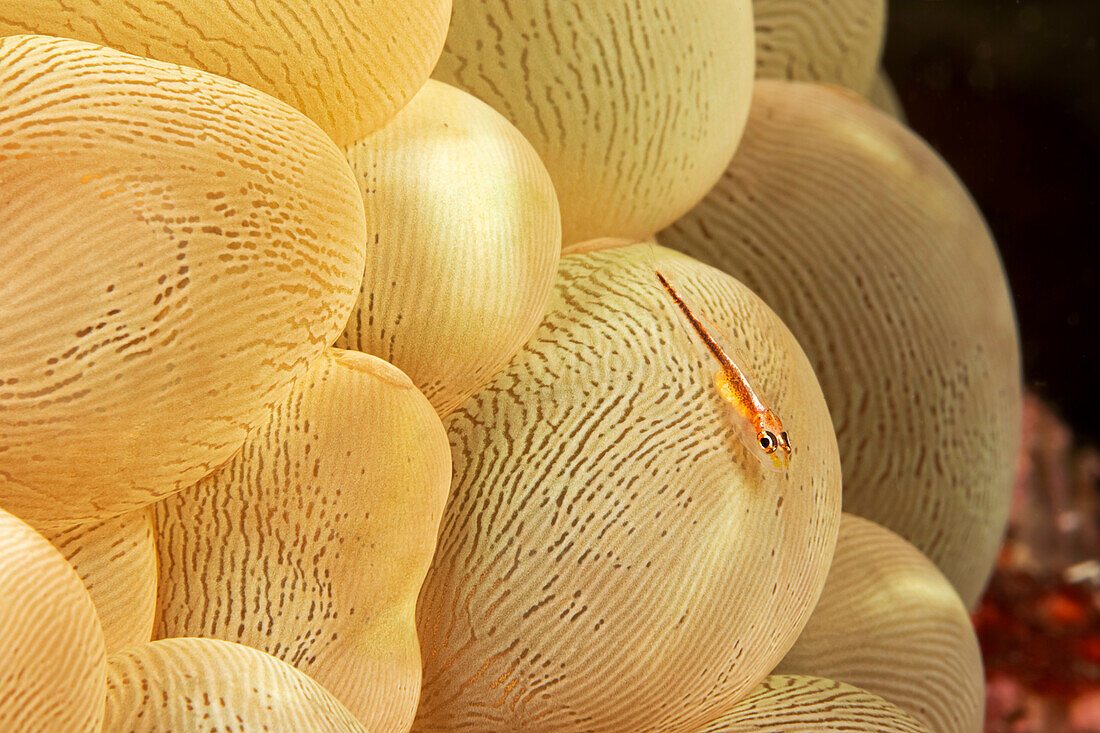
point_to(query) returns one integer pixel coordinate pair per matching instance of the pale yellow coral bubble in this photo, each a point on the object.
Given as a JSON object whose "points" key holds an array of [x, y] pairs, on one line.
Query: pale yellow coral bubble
{"points": [[464, 233], [175, 248], [634, 105], [52, 659], [611, 558], [837, 42], [870, 249], [797, 704], [888, 621], [116, 560], [312, 543], [180, 685], [348, 65]]}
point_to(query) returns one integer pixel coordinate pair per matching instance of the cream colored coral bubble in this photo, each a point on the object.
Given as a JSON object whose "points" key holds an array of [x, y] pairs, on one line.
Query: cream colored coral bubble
{"points": [[611, 558], [837, 42], [794, 704], [52, 659], [175, 248], [180, 685], [116, 560], [349, 65], [312, 543], [465, 235], [889, 622], [870, 249], [634, 106]]}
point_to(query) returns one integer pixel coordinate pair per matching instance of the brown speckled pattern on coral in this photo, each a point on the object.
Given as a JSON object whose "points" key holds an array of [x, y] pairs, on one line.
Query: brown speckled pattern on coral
{"points": [[211, 243]]}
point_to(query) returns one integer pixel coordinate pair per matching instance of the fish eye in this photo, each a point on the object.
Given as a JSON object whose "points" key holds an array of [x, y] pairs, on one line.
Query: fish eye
{"points": [[768, 442]]}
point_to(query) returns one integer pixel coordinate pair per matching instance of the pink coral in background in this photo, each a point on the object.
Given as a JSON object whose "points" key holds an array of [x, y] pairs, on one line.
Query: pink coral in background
{"points": [[1039, 621]]}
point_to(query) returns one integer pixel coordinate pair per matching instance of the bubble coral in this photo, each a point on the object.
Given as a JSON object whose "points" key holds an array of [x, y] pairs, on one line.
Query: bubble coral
{"points": [[635, 106], [179, 250], [607, 539], [837, 42], [311, 544], [464, 233], [889, 622], [348, 65], [116, 560], [52, 673], [212, 243], [214, 685], [870, 249], [798, 704]]}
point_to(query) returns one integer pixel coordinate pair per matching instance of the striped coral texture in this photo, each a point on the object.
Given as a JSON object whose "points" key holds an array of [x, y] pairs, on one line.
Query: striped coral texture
{"points": [[312, 543], [634, 105], [871, 250], [175, 248], [836, 42], [611, 558], [349, 65], [116, 560], [217, 687], [793, 704], [52, 658], [890, 623]]}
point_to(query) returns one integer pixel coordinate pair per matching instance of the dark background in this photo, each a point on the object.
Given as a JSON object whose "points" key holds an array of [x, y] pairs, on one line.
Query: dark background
{"points": [[1007, 92]]}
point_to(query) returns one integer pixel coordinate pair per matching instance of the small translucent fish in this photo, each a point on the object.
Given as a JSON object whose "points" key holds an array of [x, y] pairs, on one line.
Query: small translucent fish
{"points": [[759, 428]]}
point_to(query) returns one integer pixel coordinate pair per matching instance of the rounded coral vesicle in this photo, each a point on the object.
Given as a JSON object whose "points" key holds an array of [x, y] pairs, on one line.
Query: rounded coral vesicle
{"points": [[312, 543], [889, 622], [465, 234], [175, 248], [116, 560], [634, 105], [214, 685], [799, 704], [608, 540], [349, 65], [52, 658]]}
